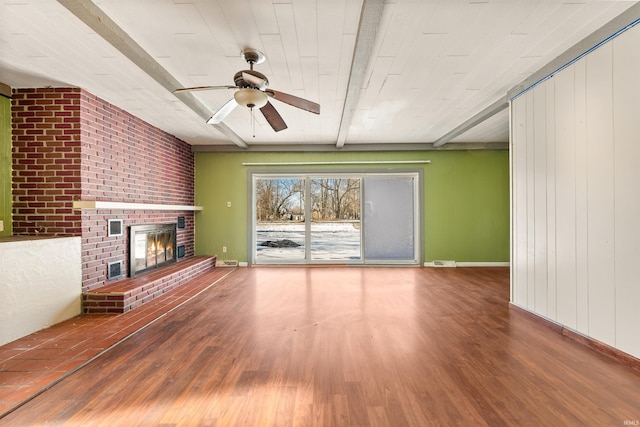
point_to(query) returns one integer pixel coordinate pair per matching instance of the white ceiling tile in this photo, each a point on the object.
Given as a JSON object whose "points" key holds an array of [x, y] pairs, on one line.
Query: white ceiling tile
{"points": [[264, 16], [306, 24], [290, 44], [332, 25]]}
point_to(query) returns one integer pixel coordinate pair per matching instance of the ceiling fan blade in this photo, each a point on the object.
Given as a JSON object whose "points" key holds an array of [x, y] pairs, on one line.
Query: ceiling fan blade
{"points": [[273, 117], [196, 88], [222, 112], [295, 101], [254, 80]]}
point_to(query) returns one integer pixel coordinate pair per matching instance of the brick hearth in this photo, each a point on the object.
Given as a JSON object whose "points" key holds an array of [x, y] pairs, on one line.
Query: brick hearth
{"points": [[126, 294]]}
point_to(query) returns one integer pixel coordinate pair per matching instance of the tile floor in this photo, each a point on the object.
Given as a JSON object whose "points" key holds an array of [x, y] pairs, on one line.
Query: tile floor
{"points": [[30, 365]]}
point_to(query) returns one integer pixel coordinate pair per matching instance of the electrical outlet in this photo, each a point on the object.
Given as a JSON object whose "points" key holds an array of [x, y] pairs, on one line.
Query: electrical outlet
{"points": [[228, 204], [224, 249]]}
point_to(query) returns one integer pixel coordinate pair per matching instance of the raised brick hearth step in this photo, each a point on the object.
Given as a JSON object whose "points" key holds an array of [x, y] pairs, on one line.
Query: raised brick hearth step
{"points": [[126, 294]]}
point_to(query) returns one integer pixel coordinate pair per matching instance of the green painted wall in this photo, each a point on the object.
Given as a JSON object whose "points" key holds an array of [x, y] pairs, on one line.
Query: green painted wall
{"points": [[5, 165], [466, 200]]}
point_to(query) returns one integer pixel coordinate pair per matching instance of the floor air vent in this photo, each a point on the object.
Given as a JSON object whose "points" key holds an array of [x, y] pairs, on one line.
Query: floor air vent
{"points": [[227, 263], [440, 263]]}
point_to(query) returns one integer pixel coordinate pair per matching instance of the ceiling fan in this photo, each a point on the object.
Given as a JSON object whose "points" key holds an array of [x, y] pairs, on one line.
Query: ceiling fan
{"points": [[252, 92]]}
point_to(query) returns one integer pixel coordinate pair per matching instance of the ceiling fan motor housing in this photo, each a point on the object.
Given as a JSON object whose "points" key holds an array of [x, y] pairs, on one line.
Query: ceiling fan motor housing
{"points": [[253, 56], [241, 82]]}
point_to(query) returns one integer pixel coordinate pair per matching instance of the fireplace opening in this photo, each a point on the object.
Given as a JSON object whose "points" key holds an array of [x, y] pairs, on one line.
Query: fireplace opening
{"points": [[151, 246]]}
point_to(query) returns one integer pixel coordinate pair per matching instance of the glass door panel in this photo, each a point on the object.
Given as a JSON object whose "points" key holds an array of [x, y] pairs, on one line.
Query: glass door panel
{"points": [[280, 220], [389, 218], [335, 219], [151, 250]]}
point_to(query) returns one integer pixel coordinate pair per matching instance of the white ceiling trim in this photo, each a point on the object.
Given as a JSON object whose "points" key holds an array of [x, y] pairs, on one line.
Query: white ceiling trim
{"points": [[483, 115], [370, 18], [612, 29]]}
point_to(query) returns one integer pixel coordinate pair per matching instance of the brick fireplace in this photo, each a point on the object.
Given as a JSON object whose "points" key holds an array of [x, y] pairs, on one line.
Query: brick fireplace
{"points": [[70, 146], [151, 246]]}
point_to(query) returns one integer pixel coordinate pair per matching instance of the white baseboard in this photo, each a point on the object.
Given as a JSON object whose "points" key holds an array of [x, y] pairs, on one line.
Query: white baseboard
{"points": [[484, 264]]}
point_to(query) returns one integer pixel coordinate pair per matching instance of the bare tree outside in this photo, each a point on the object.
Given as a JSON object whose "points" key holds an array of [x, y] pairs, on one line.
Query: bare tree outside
{"points": [[279, 199], [332, 199], [335, 199]]}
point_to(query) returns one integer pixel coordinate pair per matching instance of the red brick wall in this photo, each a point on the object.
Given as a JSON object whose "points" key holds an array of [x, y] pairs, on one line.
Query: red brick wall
{"points": [[71, 145], [46, 161], [125, 159]]}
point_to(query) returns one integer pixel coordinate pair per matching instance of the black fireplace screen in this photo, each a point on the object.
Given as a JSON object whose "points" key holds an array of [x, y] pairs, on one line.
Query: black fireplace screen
{"points": [[151, 246]]}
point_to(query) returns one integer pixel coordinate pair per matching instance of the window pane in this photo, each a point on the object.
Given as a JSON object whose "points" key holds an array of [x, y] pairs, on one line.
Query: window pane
{"points": [[389, 218], [335, 219], [280, 228]]}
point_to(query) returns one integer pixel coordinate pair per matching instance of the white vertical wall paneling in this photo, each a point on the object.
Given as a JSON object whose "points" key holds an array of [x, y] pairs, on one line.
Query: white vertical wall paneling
{"points": [[626, 105], [539, 181], [519, 161], [566, 198], [583, 219], [582, 280], [511, 205], [550, 121], [531, 201], [601, 184]]}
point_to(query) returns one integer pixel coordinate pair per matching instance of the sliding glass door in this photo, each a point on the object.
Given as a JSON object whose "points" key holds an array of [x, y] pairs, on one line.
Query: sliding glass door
{"points": [[335, 218]]}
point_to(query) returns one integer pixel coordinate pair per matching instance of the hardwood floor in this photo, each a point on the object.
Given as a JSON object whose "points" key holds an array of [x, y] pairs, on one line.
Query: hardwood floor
{"points": [[350, 346]]}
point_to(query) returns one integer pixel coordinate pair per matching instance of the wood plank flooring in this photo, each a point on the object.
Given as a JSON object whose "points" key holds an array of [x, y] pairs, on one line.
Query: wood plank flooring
{"points": [[33, 363], [374, 346]]}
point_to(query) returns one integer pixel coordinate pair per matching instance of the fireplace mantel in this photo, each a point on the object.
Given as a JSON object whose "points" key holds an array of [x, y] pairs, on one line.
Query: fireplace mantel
{"points": [[96, 204]]}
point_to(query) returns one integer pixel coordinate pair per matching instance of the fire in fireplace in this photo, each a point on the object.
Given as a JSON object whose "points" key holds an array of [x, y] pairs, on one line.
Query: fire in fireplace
{"points": [[151, 246]]}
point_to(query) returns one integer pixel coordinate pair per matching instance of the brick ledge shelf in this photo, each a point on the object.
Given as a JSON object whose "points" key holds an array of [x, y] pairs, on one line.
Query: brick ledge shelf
{"points": [[96, 204], [126, 294]]}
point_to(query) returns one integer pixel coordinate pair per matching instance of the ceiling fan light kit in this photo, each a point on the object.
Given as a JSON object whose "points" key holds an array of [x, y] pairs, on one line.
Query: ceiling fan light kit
{"points": [[251, 92], [251, 98]]}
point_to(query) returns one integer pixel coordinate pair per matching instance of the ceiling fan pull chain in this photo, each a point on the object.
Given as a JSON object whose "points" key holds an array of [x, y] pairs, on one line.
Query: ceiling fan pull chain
{"points": [[253, 122]]}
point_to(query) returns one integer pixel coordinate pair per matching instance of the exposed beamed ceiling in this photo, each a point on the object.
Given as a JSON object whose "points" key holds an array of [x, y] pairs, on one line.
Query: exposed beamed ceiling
{"points": [[387, 74]]}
